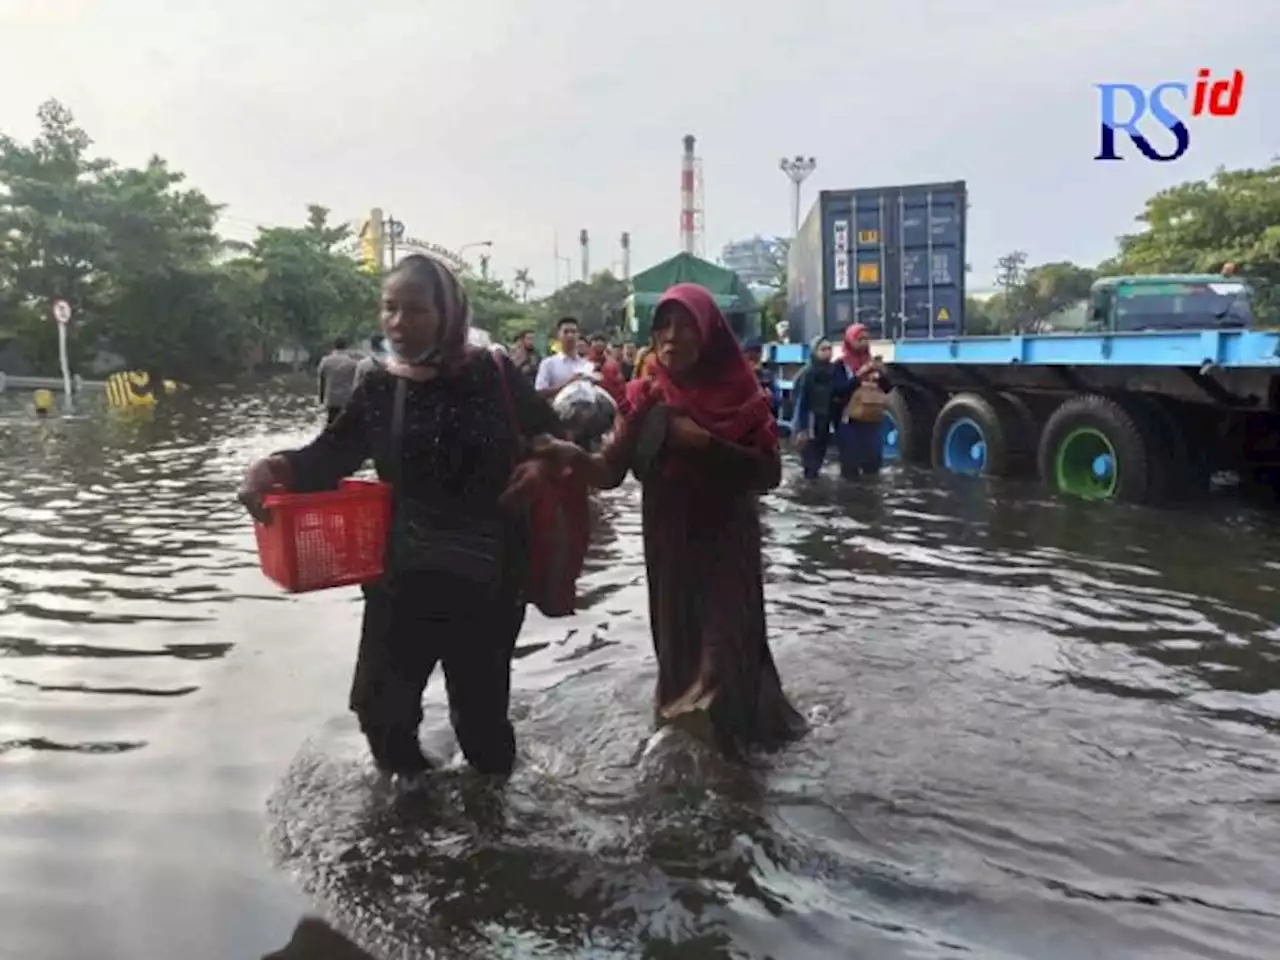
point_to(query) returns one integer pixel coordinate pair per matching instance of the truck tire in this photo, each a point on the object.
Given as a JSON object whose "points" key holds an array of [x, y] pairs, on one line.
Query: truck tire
{"points": [[909, 416], [1022, 432], [1180, 469], [970, 437], [1095, 449]]}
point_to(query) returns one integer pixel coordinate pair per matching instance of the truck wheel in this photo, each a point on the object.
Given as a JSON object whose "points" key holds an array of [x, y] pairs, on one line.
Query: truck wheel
{"points": [[1021, 431], [1180, 470], [1094, 449], [908, 417], [969, 437]]}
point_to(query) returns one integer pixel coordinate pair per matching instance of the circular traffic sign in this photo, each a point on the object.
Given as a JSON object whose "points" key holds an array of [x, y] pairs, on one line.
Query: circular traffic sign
{"points": [[62, 312]]}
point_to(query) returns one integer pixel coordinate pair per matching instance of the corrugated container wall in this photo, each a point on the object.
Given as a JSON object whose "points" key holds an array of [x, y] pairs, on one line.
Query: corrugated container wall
{"points": [[892, 258]]}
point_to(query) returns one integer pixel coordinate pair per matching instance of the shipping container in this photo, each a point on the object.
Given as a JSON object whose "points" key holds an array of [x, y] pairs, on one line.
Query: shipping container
{"points": [[892, 258]]}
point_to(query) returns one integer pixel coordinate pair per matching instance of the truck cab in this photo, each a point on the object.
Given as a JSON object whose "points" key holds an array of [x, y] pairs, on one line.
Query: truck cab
{"points": [[1169, 302]]}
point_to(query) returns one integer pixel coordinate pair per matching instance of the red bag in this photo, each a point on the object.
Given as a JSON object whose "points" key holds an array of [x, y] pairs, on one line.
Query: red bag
{"points": [[558, 532]]}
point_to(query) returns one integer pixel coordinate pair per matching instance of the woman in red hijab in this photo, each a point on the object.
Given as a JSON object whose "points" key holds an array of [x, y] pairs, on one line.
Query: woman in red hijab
{"points": [[861, 385], [702, 440]]}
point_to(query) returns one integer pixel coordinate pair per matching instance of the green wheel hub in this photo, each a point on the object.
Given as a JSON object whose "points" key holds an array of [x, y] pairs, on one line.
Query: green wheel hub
{"points": [[1086, 465]]}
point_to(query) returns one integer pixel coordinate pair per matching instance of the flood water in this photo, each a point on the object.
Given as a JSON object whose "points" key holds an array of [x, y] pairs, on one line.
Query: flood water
{"points": [[1041, 730]]}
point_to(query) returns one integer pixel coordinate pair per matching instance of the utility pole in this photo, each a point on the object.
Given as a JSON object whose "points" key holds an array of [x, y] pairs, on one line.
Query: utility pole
{"points": [[797, 169], [394, 230]]}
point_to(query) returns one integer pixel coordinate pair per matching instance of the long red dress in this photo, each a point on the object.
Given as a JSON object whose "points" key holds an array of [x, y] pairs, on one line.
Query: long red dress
{"points": [[702, 543]]}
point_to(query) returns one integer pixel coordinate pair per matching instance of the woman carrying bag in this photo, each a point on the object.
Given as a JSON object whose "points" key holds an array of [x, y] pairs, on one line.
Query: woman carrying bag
{"points": [[446, 424]]}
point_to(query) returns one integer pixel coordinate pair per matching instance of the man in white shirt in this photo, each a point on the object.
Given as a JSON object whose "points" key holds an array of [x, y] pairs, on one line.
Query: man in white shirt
{"points": [[560, 369]]}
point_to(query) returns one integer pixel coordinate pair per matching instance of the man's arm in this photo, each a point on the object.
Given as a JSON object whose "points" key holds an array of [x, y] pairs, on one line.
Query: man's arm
{"points": [[542, 383]]}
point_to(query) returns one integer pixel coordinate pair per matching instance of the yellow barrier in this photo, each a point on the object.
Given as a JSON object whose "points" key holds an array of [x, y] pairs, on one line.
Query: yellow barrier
{"points": [[43, 401]]}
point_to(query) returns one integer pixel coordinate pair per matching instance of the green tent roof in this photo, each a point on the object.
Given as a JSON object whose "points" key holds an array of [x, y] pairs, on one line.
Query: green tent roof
{"points": [[731, 293], [729, 303]]}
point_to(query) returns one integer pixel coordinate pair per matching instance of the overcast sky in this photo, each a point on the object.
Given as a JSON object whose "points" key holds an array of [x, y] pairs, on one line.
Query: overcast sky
{"points": [[514, 121]]}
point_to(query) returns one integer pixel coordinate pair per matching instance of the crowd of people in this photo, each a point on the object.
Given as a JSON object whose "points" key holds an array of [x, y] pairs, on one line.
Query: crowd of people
{"points": [[465, 435]]}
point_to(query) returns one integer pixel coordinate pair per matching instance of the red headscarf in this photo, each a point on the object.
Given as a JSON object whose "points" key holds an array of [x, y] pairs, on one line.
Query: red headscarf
{"points": [[854, 356], [721, 393]]}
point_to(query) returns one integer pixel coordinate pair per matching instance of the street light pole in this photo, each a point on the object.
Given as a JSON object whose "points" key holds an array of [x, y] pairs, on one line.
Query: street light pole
{"points": [[797, 169], [484, 260]]}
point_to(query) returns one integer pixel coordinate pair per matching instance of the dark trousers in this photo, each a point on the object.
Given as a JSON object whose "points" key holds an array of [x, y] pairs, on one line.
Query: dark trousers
{"points": [[331, 414], [814, 453], [407, 630], [861, 448]]}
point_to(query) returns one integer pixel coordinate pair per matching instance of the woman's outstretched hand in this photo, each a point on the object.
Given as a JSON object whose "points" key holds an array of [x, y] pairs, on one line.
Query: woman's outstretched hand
{"points": [[266, 475], [549, 458], [525, 479], [558, 454]]}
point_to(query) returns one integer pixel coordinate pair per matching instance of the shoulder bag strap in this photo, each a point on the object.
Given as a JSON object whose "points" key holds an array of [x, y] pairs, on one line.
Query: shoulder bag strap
{"points": [[508, 401], [397, 433]]}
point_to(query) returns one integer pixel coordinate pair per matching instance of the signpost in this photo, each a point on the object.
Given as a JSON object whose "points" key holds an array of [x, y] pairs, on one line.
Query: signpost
{"points": [[62, 316]]}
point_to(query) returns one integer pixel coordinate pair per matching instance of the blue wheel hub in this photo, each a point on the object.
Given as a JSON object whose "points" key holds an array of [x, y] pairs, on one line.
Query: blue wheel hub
{"points": [[1103, 466], [890, 439], [964, 447]]}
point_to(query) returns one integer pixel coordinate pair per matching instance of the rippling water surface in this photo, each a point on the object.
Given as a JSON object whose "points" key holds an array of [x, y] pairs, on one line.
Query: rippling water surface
{"points": [[1041, 730]]}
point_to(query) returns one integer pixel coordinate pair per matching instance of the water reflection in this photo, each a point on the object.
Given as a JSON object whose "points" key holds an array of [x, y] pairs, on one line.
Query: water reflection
{"points": [[1040, 729]]}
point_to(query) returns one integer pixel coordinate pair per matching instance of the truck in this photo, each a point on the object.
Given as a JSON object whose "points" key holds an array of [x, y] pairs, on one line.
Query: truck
{"points": [[1166, 381]]}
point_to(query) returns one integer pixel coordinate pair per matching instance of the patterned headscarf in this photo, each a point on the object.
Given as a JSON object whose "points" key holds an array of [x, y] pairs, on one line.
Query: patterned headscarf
{"points": [[452, 306]]}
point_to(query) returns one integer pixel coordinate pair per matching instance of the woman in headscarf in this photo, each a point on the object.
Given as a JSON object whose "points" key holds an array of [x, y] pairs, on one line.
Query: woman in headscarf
{"points": [[702, 440], [445, 430], [860, 386], [646, 362], [817, 405]]}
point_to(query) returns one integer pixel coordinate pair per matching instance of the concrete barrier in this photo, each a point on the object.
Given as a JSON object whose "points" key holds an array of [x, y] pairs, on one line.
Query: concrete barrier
{"points": [[78, 385]]}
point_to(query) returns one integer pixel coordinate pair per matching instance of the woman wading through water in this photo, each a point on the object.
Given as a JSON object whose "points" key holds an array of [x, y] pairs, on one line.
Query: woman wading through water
{"points": [[443, 427], [702, 440]]}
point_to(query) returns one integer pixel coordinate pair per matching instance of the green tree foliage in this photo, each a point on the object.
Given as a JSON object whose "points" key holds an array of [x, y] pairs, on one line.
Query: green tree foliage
{"points": [[307, 290], [495, 309], [523, 283], [1197, 227], [137, 257], [1029, 298], [775, 308], [597, 304]]}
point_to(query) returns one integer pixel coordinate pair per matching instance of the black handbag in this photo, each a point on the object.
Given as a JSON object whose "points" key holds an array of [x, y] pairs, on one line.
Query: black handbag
{"points": [[427, 539]]}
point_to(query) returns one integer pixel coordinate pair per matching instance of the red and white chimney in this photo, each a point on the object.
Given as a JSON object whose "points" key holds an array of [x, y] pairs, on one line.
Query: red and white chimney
{"points": [[688, 208]]}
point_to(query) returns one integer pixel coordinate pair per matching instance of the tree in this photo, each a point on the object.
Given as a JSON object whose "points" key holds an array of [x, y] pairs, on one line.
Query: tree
{"points": [[51, 244], [494, 307], [308, 293], [123, 246], [597, 304], [978, 319], [775, 309], [1197, 227], [523, 283]]}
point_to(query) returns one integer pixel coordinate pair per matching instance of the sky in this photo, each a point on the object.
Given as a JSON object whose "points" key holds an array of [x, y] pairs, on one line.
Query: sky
{"points": [[519, 122]]}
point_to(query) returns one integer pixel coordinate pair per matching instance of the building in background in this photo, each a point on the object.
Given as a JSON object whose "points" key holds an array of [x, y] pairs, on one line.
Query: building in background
{"points": [[756, 260]]}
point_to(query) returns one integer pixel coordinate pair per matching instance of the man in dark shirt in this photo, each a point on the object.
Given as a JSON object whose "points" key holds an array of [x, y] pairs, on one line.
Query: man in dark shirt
{"points": [[336, 377], [626, 363], [525, 356]]}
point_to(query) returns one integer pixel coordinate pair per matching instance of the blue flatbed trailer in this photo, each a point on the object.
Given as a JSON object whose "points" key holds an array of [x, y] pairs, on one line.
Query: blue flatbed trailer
{"points": [[1143, 416]]}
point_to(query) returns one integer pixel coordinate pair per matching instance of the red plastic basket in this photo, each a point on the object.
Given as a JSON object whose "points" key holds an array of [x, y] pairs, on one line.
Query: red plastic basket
{"points": [[320, 540]]}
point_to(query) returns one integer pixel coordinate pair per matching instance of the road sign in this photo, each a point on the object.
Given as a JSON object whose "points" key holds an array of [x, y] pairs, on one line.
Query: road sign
{"points": [[62, 312]]}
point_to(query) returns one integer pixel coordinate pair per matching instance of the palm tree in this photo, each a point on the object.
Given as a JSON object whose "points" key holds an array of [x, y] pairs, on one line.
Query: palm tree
{"points": [[524, 283]]}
